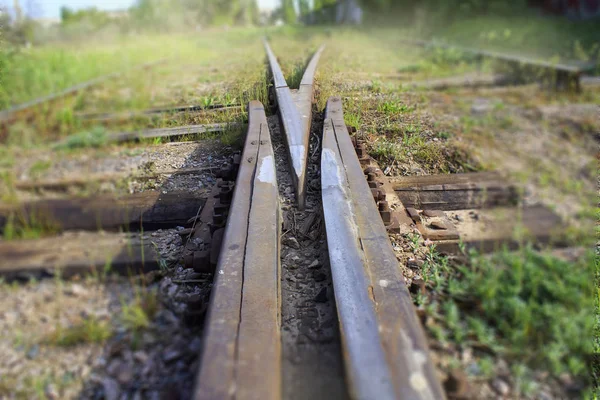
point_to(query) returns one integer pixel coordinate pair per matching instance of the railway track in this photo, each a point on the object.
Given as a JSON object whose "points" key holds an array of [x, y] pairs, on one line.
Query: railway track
{"points": [[565, 74], [308, 298], [381, 343]]}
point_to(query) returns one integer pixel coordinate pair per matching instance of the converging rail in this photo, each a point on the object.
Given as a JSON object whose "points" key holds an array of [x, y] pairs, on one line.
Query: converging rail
{"points": [[295, 108], [384, 348], [242, 351]]}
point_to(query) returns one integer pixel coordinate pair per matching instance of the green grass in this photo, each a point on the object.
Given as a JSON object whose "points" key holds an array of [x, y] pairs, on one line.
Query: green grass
{"points": [[137, 314], [39, 71], [23, 225], [39, 167], [95, 137], [528, 307], [90, 330]]}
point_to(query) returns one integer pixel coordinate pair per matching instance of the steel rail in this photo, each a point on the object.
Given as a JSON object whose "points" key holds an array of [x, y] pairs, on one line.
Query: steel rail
{"points": [[567, 72], [384, 345], [295, 109], [107, 116], [7, 114], [242, 343]]}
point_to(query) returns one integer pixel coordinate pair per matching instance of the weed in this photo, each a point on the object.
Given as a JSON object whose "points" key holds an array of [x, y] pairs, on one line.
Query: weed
{"points": [[527, 306], [392, 107], [96, 137], [352, 119], [38, 168], [90, 330], [137, 314], [24, 225]]}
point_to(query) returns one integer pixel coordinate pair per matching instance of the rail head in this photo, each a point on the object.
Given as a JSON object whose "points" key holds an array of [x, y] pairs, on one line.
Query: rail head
{"points": [[242, 338], [295, 109], [404, 355]]}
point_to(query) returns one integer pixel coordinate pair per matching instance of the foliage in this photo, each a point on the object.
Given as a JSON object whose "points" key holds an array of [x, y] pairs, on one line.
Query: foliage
{"points": [[526, 306], [289, 12], [90, 330]]}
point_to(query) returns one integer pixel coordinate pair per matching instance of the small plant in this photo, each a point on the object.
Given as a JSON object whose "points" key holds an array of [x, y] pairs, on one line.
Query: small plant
{"points": [[391, 107], [39, 167], [137, 314], [90, 330], [523, 305], [23, 225], [96, 137], [352, 119]]}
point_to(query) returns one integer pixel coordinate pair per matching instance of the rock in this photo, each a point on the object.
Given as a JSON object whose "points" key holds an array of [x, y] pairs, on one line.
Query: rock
{"points": [[501, 386], [291, 242], [565, 379], [125, 374], [76, 290], [481, 106], [51, 392], [433, 213], [10, 317], [33, 352], [113, 367], [466, 355], [171, 355], [195, 345], [418, 286], [138, 396], [141, 356], [414, 263], [111, 389], [544, 395], [456, 384], [99, 362], [502, 367], [322, 296], [320, 277], [441, 225], [314, 265]]}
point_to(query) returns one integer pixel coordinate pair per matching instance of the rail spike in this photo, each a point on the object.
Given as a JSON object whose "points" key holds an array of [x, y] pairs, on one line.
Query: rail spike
{"points": [[295, 109]]}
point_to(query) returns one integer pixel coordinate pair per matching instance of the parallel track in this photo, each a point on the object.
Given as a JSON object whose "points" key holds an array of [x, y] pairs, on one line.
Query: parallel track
{"points": [[10, 114]]}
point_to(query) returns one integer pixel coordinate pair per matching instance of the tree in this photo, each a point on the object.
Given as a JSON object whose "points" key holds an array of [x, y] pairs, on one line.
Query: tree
{"points": [[304, 7], [289, 12]]}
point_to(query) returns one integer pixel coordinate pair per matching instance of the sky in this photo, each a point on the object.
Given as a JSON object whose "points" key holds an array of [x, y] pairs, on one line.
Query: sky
{"points": [[51, 8]]}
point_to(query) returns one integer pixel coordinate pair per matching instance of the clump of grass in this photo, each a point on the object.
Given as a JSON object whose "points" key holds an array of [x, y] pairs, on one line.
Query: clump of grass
{"points": [[23, 225], [90, 330], [352, 119], [96, 137], [528, 307], [137, 315], [39, 167], [394, 107]]}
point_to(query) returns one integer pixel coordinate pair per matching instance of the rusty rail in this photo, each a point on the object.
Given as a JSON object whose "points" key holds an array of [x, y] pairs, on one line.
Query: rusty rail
{"points": [[242, 348], [384, 347], [295, 108], [568, 72]]}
